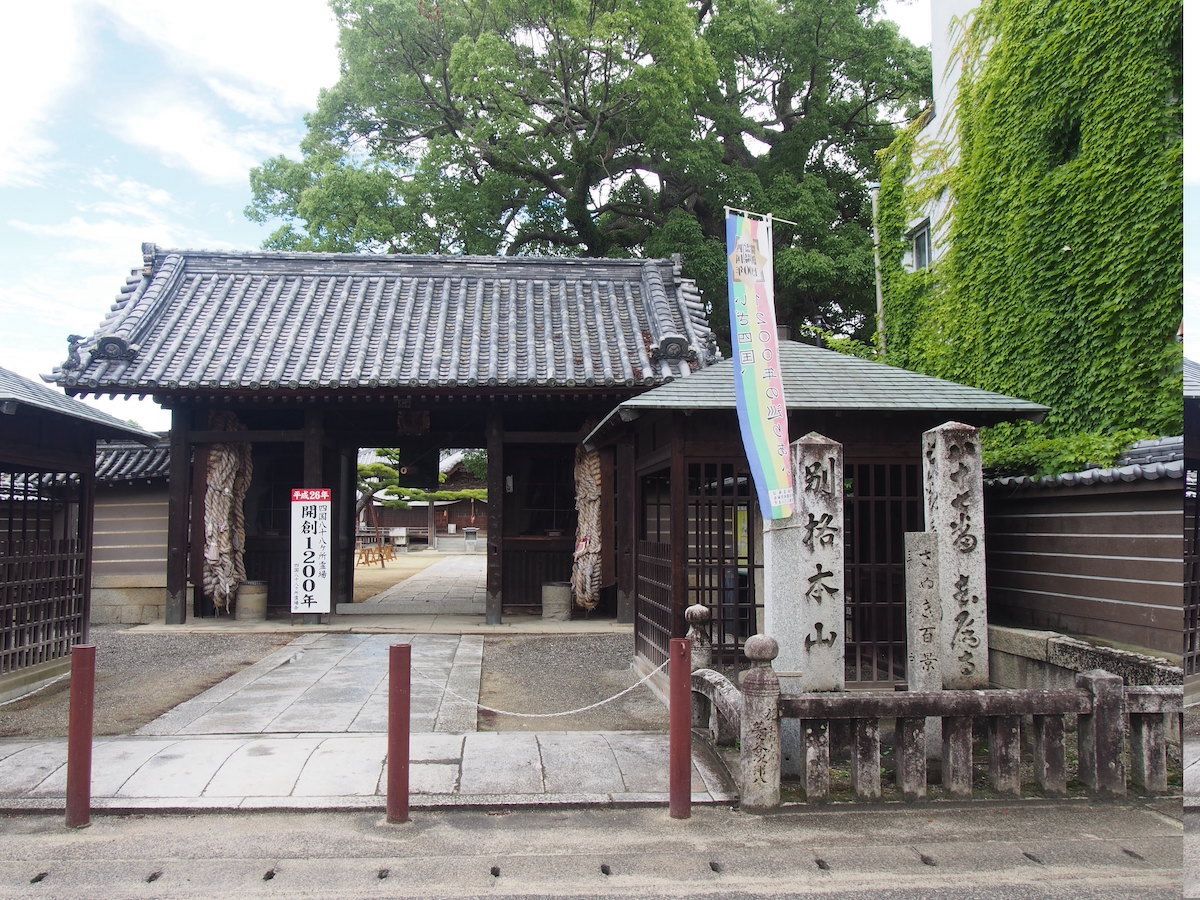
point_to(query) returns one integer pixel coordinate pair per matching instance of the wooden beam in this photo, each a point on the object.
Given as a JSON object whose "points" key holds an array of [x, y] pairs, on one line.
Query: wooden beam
{"points": [[280, 436], [178, 519], [541, 437], [679, 535], [626, 514], [495, 513]]}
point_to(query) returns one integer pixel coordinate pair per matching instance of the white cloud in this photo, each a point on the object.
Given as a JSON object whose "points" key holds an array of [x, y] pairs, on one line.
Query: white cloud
{"points": [[35, 78], [185, 133], [260, 55]]}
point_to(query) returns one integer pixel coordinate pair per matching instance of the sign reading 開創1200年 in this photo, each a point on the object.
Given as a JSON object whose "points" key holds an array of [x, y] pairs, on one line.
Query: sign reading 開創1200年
{"points": [[311, 542], [761, 407]]}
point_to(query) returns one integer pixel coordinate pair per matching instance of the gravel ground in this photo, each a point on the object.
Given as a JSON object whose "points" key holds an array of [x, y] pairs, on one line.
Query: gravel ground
{"points": [[551, 673], [138, 678]]}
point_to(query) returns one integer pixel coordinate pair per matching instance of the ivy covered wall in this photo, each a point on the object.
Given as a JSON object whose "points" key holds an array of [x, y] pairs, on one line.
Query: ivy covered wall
{"points": [[1063, 276]]}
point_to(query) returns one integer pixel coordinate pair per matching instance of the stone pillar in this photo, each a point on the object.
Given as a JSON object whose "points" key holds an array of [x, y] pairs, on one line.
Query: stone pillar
{"points": [[761, 754], [698, 616], [924, 615], [953, 464], [804, 572], [924, 612]]}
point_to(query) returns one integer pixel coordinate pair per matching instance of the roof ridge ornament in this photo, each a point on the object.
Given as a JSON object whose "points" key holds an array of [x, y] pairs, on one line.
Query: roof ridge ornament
{"points": [[74, 359], [149, 251]]}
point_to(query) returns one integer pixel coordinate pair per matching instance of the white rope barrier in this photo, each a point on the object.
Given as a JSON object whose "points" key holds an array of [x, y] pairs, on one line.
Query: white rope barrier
{"points": [[566, 712]]}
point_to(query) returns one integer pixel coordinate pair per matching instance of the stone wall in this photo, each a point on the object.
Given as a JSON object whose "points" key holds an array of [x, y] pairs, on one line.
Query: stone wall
{"points": [[1046, 660]]}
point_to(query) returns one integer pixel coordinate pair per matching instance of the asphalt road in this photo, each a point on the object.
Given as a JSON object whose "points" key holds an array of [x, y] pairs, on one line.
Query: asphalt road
{"points": [[1015, 849]]}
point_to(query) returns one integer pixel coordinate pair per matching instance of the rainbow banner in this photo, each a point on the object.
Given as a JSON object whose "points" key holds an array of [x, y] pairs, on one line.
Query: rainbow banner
{"points": [[762, 411]]}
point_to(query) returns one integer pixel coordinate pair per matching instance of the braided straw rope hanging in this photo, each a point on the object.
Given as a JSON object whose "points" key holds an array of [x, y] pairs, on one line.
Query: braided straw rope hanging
{"points": [[230, 467], [585, 572]]}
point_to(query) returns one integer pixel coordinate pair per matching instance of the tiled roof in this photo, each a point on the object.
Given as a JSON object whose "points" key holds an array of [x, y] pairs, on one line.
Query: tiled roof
{"points": [[22, 392], [1191, 378], [118, 461], [815, 378], [200, 320], [1114, 475], [1167, 449], [1144, 461]]}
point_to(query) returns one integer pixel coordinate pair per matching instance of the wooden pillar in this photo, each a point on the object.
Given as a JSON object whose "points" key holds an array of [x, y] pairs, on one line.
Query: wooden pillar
{"points": [[179, 494], [626, 513], [495, 536], [431, 521], [202, 604], [608, 526], [679, 529], [87, 525], [347, 480], [314, 434]]}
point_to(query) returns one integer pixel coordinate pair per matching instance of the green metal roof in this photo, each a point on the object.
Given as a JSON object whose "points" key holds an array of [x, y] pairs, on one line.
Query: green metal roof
{"points": [[819, 379]]}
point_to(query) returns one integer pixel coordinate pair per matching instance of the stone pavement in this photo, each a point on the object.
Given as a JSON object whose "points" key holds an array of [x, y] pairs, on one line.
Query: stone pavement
{"points": [[335, 683], [346, 771], [455, 585], [1191, 772]]}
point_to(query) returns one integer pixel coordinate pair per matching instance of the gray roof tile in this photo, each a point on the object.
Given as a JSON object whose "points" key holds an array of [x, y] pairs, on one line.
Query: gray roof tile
{"points": [[816, 378], [120, 461], [208, 320], [1114, 475], [21, 391], [1191, 378]]}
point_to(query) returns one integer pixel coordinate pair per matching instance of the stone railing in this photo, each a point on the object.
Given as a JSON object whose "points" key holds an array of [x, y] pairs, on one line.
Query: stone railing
{"points": [[1106, 711]]}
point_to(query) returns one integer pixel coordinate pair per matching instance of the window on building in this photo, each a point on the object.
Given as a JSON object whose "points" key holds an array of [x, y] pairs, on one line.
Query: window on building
{"points": [[920, 247]]}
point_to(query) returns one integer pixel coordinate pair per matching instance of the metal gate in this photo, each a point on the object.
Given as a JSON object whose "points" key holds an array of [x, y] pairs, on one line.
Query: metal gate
{"points": [[883, 501]]}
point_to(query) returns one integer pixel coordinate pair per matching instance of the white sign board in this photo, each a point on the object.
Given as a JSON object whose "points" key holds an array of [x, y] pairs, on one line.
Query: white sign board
{"points": [[311, 542]]}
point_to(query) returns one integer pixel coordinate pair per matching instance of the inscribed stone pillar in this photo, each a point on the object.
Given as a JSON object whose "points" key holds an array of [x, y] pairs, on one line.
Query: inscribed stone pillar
{"points": [[924, 612], [953, 465], [804, 573]]}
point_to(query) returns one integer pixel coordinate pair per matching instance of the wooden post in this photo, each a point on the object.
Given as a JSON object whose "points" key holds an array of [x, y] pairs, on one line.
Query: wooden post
{"points": [[679, 535], [80, 726], [179, 490], [87, 525], [314, 435], [627, 517], [202, 604], [343, 497], [680, 762], [399, 731], [431, 522], [495, 535], [1102, 733]]}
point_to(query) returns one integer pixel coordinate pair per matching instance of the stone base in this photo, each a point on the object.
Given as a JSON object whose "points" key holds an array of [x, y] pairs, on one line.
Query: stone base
{"points": [[1027, 658], [130, 605]]}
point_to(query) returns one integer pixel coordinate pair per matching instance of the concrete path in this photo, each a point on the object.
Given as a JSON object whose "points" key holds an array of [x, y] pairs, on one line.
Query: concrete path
{"points": [[322, 771], [455, 585], [1003, 849], [335, 683]]}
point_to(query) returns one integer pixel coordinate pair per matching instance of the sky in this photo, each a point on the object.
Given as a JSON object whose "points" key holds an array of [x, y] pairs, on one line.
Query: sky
{"points": [[141, 122]]}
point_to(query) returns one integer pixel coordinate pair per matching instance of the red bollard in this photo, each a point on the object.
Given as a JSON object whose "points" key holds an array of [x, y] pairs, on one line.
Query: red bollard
{"points": [[681, 728], [399, 725], [79, 735]]}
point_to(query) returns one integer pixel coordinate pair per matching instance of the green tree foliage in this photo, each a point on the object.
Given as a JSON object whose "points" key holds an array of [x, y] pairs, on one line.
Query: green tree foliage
{"points": [[383, 478], [606, 128], [1062, 279]]}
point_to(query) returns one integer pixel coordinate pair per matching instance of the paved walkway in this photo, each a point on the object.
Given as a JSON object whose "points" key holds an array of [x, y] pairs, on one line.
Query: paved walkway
{"points": [[335, 683], [318, 771], [1191, 772], [306, 727], [455, 585]]}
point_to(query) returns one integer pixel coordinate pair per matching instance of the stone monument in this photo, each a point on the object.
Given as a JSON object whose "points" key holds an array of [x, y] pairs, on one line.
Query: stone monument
{"points": [[953, 469]]}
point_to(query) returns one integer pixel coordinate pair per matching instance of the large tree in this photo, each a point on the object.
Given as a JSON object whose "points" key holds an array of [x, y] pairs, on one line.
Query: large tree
{"points": [[606, 128]]}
